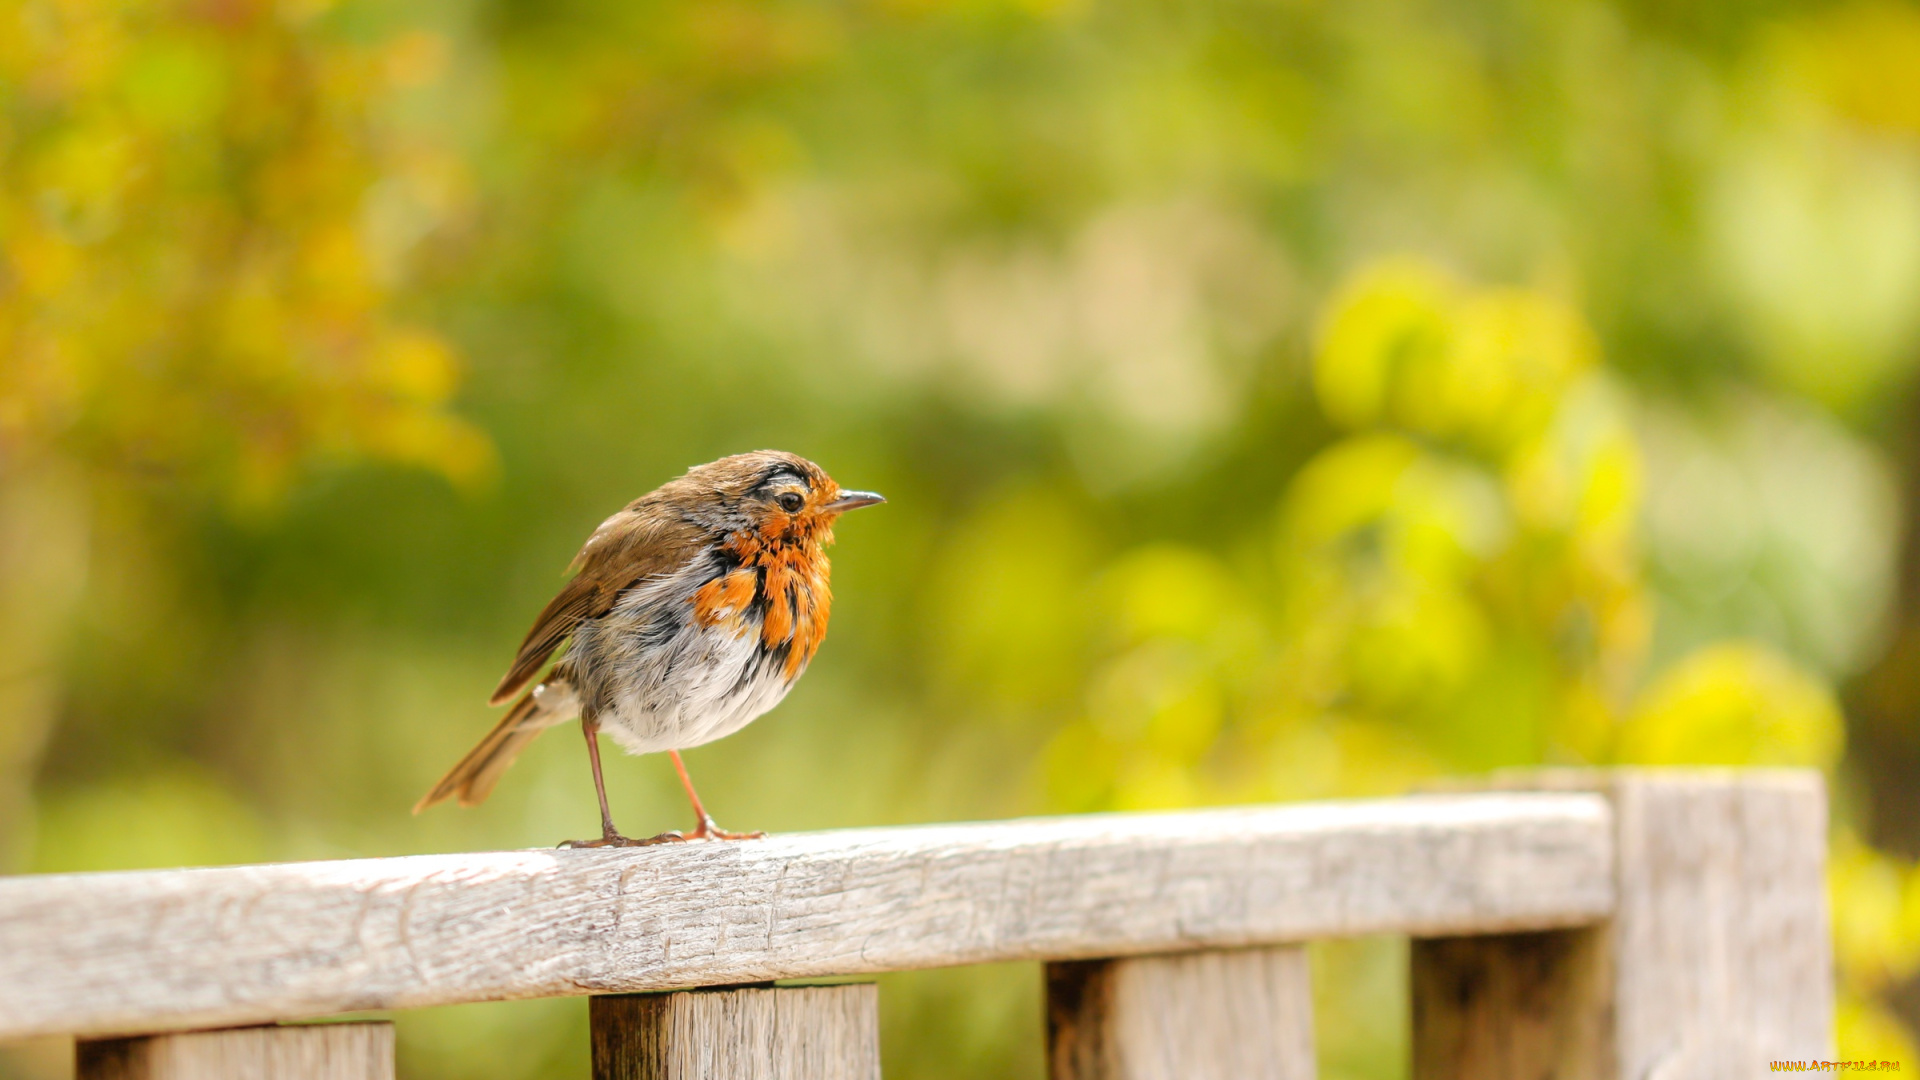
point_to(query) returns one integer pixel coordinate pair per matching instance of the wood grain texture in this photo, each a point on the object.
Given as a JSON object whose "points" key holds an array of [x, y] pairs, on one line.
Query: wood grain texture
{"points": [[1241, 1014], [771, 1033], [1722, 945], [152, 951], [1512, 1007], [298, 1052], [1717, 961]]}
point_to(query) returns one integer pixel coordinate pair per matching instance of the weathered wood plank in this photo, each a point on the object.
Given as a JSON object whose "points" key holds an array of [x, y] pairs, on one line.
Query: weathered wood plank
{"points": [[299, 1052], [1238, 1014], [152, 951], [747, 1033], [1717, 961]]}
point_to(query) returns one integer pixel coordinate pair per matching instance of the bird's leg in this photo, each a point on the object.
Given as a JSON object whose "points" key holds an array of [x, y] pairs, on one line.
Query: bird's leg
{"points": [[707, 829], [609, 836]]}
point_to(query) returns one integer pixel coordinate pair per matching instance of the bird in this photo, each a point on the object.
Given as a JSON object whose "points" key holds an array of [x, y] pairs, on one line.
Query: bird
{"points": [[690, 613]]}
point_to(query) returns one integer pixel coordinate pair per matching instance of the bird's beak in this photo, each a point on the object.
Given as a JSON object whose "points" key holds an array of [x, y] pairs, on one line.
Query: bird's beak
{"points": [[853, 500]]}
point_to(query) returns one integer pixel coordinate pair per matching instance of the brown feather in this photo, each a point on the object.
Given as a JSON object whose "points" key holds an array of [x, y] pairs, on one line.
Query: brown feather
{"points": [[645, 539], [579, 601]]}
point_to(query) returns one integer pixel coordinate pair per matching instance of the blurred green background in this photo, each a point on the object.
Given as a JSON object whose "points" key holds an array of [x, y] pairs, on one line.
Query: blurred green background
{"points": [[1277, 400]]}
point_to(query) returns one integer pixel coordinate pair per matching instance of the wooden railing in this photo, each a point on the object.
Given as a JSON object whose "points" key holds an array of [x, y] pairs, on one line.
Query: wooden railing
{"points": [[1625, 926]]}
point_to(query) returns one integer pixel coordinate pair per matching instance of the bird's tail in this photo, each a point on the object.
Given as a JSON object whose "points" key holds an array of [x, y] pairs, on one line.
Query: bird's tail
{"points": [[472, 780]]}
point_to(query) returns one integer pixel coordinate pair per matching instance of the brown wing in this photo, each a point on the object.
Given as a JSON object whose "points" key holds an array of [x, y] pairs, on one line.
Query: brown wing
{"points": [[473, 778], [640, 541]]}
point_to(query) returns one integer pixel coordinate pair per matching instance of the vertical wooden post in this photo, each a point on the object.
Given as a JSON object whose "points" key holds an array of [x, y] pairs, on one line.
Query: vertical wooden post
{"points": [[1505, 1006], [1240, 1014], [751, 1033], [292, 1052], [1717, 960]]}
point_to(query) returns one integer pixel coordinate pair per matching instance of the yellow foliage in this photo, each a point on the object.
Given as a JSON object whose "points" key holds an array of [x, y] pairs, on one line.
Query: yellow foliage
{"points": [[1385, 334], [182, 217], [1866, 1030], [1864, 58], [1734, 703], [1876, 934], [1580, 473], [1426, 603], [1404, 345], [1876, 914]]}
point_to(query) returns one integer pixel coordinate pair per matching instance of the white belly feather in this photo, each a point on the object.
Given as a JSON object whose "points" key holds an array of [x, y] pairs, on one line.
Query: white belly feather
{"points": [[657, 680]]}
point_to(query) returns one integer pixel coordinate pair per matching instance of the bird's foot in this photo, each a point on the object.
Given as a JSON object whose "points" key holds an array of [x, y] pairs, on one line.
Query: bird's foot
{"points": [[708, 829], [616, 840]]}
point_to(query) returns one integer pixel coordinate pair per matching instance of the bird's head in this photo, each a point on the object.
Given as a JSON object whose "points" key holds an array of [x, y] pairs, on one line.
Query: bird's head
{"points": [[779, 498]]}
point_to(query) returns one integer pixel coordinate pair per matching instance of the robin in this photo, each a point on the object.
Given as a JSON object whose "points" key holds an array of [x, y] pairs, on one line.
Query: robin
{"points": [[690, 613]]}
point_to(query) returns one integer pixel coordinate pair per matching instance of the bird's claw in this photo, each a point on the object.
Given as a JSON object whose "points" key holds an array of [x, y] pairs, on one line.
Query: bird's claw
{"points": [[616, 840], [706, 830]]}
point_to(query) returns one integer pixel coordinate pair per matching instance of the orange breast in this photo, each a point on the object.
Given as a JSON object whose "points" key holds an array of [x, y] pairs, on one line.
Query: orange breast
{"points": [[797, 597], [725, 599], [798, 604]]}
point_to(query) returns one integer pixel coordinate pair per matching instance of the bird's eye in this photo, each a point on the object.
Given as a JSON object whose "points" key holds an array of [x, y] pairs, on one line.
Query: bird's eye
{"points": [[790, 501]]}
